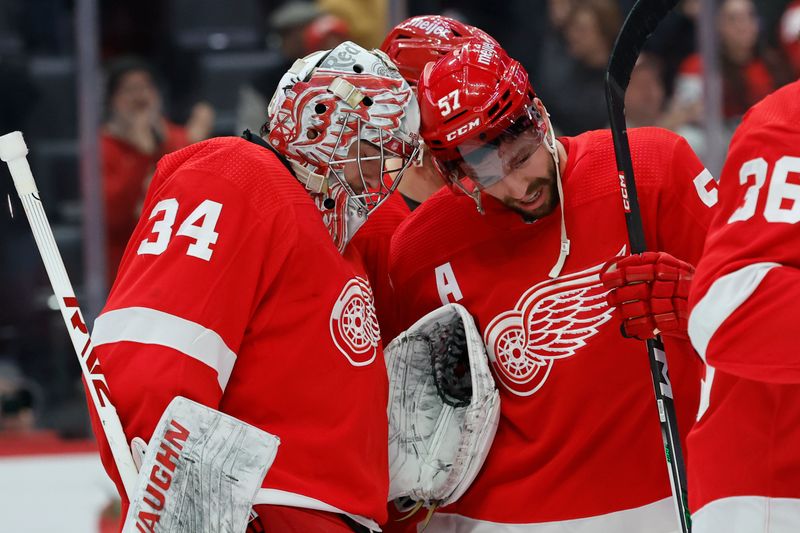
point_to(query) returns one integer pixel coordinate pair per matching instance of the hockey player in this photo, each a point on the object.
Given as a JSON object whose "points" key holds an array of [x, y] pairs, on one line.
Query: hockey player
{"points": [[238, 289], [578, 445], [744, 457], [410, 45]]}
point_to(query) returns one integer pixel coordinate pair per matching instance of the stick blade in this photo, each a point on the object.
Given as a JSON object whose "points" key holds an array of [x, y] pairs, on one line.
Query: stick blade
{"points": [[201, 472]]}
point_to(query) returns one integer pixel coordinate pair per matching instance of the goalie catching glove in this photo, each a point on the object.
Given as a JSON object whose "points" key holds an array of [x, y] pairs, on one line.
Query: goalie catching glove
{"points": [[651, 292], [443, 407]]}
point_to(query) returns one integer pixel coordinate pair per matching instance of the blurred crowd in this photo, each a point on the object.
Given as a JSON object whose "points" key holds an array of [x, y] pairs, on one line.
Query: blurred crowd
{"points": [[180, 71]]}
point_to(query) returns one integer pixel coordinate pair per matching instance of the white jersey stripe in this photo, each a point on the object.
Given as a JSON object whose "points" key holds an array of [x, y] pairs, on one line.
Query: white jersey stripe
{"points": [[292, 499], [723, 298], [656, 517], [149, 326], [748, 514]]}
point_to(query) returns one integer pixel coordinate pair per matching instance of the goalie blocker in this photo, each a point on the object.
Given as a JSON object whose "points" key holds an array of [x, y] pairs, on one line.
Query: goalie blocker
{"points": [[200, 473], [443, 408]]}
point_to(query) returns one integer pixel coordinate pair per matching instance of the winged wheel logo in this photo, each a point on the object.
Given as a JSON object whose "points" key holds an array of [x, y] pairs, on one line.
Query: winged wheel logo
{"points": [[353, 324], [552, 320]]}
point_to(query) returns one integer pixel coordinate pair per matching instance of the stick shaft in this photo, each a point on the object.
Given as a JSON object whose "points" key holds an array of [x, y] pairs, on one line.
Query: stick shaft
{"points": [[640, 23], [79, 334]]}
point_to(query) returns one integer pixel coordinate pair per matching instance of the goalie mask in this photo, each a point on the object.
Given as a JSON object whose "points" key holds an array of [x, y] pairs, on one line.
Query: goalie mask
{"points": [[443, 407], [347, 123]]}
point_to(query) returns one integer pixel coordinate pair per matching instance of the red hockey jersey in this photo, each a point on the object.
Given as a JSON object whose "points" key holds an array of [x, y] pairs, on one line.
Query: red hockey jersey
{"points": [[372, 242], [750, 260], [232, 293], [579, 437], [744, 305]]}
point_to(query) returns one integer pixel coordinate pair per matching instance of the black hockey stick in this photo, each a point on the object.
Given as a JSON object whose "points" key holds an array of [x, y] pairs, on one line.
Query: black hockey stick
{"points": [[640, 23]]}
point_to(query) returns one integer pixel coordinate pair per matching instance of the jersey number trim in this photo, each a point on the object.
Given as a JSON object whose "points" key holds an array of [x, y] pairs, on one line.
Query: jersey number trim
{"points": [[203, 233], [783, 197]]}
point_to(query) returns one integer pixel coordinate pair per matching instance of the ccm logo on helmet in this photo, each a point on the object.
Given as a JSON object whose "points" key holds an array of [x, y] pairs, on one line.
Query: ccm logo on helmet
{"points": [[463, 130]]}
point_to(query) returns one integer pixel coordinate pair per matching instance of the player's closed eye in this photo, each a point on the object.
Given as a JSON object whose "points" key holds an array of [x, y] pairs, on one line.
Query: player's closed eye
{"points": [[520, 161]]}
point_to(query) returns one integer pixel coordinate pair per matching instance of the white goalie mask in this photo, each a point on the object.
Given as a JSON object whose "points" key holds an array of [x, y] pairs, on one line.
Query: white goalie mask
{"points": [[348, 124], [444, 407]]}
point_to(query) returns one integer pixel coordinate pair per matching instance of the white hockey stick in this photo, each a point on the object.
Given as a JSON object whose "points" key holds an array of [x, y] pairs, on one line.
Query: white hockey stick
{"points": [[14, 151]]}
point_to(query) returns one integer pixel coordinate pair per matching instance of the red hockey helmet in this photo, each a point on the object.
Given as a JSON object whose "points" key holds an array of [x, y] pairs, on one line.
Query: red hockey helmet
{"points": [[417, 41], [470, 101], [481, 120]]}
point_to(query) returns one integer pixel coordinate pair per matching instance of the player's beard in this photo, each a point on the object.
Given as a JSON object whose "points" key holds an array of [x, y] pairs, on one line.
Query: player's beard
{"points": [[545, 204]]}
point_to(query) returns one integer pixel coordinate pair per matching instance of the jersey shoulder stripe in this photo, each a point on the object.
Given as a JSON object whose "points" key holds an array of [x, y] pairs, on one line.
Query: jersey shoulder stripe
{"points": [[149, 326]]}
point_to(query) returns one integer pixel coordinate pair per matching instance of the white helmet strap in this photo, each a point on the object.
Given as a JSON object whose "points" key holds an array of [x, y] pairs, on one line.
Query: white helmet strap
{"points": [[313, 182], [550, 145]]}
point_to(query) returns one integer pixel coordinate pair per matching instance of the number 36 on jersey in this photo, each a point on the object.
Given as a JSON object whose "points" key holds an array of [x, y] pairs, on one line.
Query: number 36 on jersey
{"points": [[783, 195]]}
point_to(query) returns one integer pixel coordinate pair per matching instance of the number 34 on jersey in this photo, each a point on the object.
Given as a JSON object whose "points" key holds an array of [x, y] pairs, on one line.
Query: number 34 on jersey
{"points": [[200, 226]]}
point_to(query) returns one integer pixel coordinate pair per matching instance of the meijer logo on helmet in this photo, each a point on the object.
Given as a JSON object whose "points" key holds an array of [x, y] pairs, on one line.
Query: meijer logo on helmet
{"points": [[431, 28], [485, 54]]}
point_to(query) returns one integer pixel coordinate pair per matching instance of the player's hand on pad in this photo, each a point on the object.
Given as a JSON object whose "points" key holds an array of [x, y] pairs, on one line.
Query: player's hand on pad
{"points": [[650, 290]]}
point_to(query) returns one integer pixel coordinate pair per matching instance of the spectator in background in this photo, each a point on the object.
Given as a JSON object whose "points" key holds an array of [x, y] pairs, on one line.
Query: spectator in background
{"points": [[576, 86], [134, 137], [367, 19], [325, 32], [644, 99], [675, 39], [789, 33], [558, 12], [302, 28], [553, 53], [745, 76]]}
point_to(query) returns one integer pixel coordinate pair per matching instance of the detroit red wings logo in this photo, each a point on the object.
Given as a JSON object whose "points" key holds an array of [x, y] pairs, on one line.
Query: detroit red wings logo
{"points": [[354, 326], [552, 320]]}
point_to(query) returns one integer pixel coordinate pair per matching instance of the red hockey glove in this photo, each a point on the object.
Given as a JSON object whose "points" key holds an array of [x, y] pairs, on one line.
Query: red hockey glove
{"points": [[650, 290]]}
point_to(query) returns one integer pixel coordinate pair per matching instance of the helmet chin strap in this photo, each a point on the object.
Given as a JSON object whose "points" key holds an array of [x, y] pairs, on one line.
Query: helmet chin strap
{"points": [[550, 145], [355, 217], [312, 181]]}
